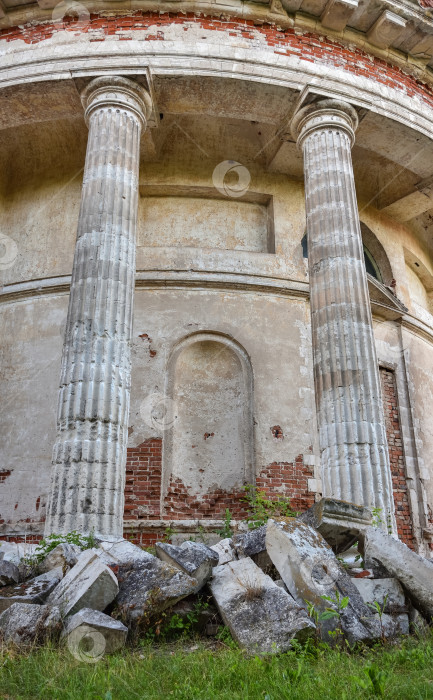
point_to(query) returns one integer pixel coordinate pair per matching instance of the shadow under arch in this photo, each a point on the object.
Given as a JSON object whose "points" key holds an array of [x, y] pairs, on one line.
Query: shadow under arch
{"points": [[377, 252], [376, 260], [208, 447]]}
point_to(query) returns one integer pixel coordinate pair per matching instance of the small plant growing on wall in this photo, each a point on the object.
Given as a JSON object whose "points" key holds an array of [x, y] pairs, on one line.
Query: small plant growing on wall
{"points": [[261, 507]]}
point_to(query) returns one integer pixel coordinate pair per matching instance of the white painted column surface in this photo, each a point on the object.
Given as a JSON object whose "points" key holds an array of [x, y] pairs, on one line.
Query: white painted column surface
{"points": [[87, 491], [352, 437]]}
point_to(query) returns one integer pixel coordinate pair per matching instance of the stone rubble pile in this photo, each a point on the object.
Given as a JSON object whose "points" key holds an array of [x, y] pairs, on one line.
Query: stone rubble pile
{"points": [[272, 585]]}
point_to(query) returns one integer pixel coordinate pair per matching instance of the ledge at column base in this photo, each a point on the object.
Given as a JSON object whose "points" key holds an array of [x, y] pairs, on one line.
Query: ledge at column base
{"points": [[341, 523]]}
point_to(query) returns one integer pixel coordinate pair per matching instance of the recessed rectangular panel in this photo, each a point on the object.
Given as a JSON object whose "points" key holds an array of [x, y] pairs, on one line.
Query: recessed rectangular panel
{"points": [[200, 222]]}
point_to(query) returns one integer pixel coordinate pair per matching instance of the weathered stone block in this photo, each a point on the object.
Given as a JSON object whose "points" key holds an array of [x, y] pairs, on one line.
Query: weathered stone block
{"points": [[121, 552], [9, 573], [14, 552], [25, 624], [194, 558], [339, 522], [261, 616], [251, 542], [225, 550], [89, 584], [34, 591], [413, 571], [389, 594], [310, 570], [107, 635], [64, 556], [148, 587]]}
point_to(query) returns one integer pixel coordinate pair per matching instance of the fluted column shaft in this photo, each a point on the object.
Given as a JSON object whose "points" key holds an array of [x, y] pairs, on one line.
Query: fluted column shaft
{"points": [[352, 437], [89, 456]]}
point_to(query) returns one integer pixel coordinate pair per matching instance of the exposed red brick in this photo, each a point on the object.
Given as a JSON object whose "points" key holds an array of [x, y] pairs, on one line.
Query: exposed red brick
{"points": [[309, 47], [288, 480], [179, 503], [143, 481], [396, 457]]}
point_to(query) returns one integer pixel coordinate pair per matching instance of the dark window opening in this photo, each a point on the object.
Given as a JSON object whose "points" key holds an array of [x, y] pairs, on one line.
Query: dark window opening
{"points": [[370, 263]]}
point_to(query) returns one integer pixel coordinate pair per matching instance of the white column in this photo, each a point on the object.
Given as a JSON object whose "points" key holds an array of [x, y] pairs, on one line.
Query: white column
{"points": [[354, 451], [87, 492]]}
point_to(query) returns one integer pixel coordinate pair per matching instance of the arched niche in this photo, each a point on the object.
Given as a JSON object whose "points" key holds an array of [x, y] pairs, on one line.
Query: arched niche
{"points": [[208, 447]]}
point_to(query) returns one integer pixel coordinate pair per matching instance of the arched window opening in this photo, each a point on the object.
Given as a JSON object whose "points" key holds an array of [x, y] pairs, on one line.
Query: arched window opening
{"points": [[371, 266]]}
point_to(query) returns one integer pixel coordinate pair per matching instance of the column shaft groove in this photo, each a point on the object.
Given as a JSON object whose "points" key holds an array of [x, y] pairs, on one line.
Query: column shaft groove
{"points": [[352, 437], [89, 455]]}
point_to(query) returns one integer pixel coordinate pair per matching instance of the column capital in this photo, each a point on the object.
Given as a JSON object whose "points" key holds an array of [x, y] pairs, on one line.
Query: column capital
{"points": [[119, 93], [324, 114]]}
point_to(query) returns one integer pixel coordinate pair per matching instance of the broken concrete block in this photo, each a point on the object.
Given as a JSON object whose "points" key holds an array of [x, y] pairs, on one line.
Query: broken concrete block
{"points": [[105, 634], [9, 573], [25, 624], [389, 595], [148, 587], [89, 584], [64, 556], [121, 552], [251, 542], [339, 522], [261, 616], [194, 558], [34, 591], [225, 550], [310, 570], [14, 551], [413, 571]]}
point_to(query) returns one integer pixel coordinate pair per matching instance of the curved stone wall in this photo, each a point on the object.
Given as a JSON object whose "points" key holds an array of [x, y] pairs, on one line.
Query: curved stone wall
{"points": [[233, 265]]}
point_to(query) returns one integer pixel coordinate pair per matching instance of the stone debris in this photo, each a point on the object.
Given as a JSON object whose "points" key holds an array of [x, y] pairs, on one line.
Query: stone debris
{"points": [[413, 571], [9, 573], [263, 612], [64, 556], [250, 543], [193, 558], [261, 616], [310, 569], [14, 552], [89, 584], [339, 522], [150, 586], [107, 635], [389, 595], [25, 624], [36, 590], [225, 550], [121, 552]]}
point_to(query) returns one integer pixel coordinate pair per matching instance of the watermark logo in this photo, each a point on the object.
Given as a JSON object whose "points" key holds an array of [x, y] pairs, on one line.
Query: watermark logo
{"points": [[231, 178], [320, 572], [8, 252], [71, 9], [158, 411], [86, 644]]}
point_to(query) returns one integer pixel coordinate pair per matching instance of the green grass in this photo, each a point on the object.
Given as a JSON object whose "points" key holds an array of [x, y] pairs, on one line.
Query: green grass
{"points": [[189, 671]]}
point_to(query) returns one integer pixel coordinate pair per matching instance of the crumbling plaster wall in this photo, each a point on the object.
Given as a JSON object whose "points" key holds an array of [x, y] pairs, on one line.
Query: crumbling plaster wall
{"points": [[30, 351], [257, 298]]}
